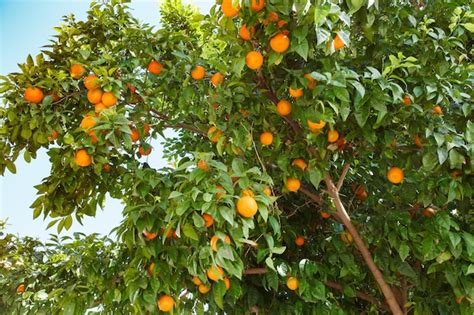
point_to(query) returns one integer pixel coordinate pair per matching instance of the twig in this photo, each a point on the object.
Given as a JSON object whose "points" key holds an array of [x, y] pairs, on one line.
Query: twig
{"points": [[312, 195], [346, 168]]}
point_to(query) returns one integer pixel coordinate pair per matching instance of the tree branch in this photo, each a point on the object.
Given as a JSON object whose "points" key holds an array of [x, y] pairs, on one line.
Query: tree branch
{"points": [[312, 196], [346, 168]]}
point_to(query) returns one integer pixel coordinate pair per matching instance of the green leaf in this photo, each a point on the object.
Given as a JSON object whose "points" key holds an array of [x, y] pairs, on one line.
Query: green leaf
{"points": [[403, 251], [218, 293], [302, 49], [318, 290], [469, 26], [341, 93], [315, 177], [10, 166], [269, 263], [320, 13], [228, 214], [190, 232]]}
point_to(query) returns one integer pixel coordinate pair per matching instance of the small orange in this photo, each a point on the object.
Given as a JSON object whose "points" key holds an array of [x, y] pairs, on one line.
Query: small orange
{"points": [[215, 273], [361, 193], [459, 299], [254, 60], [197, 281], [155, 67], [214, 134], [198, 73], [132, 88], [88, 122], [266, 138], [203, 289], [91, 82], [82, 158], [293, 184], [284, 108], [109, 99], [428, 212], [135, 135], [244, 33], [267, 191], [406, 100], [20, 288], [228, 9], [107, 168], [273, 16], [292, 283], [346, 237], [299, 241], [247, 192], [214, 240], [54, 135], [226, 280], [295, 93], [333, 135], [338, 42], [208, 219], [247, 206], [146, 129], [280, 43], [299, 163], [324, 215], [437, 110], [221, 192], [257, 5], [217, 79], [33, 95], [282, 23], [395, 175], [99, 107], [149, 235], [93, 136], [165, 303], [202, 165], [417, 141], [316, 126], [77, 71], [311, 81], [144, 152], [151, 269], [94, 96]]}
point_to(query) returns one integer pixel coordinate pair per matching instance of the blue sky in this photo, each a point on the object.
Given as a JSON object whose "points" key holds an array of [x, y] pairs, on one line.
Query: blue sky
{"points": [[25, 26]]}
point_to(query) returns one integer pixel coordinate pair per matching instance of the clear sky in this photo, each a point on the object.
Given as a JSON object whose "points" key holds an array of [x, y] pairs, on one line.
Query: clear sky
{"points": [[25, 26]]}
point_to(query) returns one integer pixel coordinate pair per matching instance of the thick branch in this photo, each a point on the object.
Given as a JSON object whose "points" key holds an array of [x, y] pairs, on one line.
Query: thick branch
{"points": [[346, 168], [312, 196]]}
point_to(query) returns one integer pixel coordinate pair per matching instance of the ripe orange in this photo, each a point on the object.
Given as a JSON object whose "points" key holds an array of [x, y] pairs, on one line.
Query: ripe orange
{"points": [[155, 67], [257, 5], [94, 96], [149, 235], [324, 215], [437, 110], [93, 136], [208, 219], [151, 269], [204, 289], [284, 108], [226, 280], [144, 152], [82, 158], [54, 135], [266, 138], [91, 82], [197, 281], [338, 42], [346, 237], [282, 23], [292, 283], [99, 107], [198, 73], [407, 100], [360, 193], [247, 192], [20, 288], [214, 134], [296, 93], [135, 135], [215, 273], [395, 175], [316, 126], [165, 303], [132, 88], [254, 60], [247, 206], [217, 79], [77, 71], [33, 95], [214, 240], [202, 165], [333, 135], [428, 212], [244, 33], [107, 168], [280, 43], [293, 184], [311, 81], [146, 129], [267, 191], [273, 16], [299, 241], [299, 163], [228, 9], [221, 192], [109, 99], [417, 141], [88, 122]]}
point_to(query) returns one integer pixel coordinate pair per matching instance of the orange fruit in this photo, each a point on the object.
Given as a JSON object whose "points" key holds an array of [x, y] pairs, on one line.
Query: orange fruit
{"points": [[107, 168], [296, 93], [324, 215], [132, 88], [266, 138], [217, 78], [214, 134], [88, 122], [155, 67], [254, 60], [99, 107], [165, 303], [77, 71], [82, 158], [284, 108], [346, 237], [311, 81], [149, 235], [273, 16], [198, 73], [282, 23], [244, 33], [293, 184], [267, 191], [333, 135], [299, 241], [204, 289], [247, 206], [226, 280], [417, 141], [94, 96], [395, 175], [93, 136], [135, 135], [437, 110], [459, 299], [203, 165], [20, 288], [55, 96], [33, 95], [338, 42], [91, 82], [292, 283], [151, 269], [280, 43], [197, 281], [316, 126], [54, 135], [299, 163], [247, 192], [146, 129], [228, 9], [428, 212], [215, 273], [214, 240], [407, 100], [221, 192], [109, 99], [208, 219], [257, 5], [144, 152], [361, 193]]}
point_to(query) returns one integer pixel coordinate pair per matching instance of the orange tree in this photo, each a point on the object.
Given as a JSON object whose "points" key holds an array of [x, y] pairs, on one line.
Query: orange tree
{"points": [[322, 160]]}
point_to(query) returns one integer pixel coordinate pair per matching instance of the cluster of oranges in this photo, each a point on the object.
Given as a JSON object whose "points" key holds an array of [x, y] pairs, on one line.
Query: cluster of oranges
{"points": [[215, 274]]}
